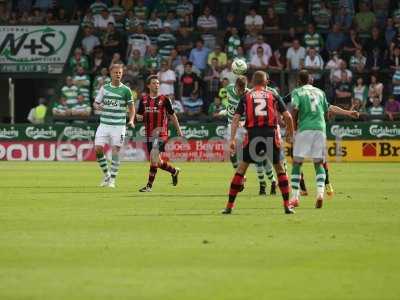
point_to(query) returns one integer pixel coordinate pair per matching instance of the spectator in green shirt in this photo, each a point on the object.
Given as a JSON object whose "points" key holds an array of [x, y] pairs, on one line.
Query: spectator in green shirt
{"points": [[216, 109]]}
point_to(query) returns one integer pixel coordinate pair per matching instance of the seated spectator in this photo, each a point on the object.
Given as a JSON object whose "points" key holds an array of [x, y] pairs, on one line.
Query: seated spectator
{"points": [[216, 109], [228, 73], [141, 10], [323, 17], [97, 7], [166, 41], [287, 40], [189, 82], [358, 62], [375, 43], [259, 61], [343, 18], [101, 21], [37, 115], [360, 91], [199, 55], [138, 40], [153, 26], [392, 108], [314, 64], [249, 40], [241, 54], [167, 79], [267, 51], [294, 62], [137, 63], [112, 41], [396, 84], [50, 18], [184, 8], [253, 22], [211, 77], [230, 21], [173, 22], [375, 87], [99, 61], [343, 92], [82, 81], [61, 109], [70, 92], [376, 110], [131, 22], [333, 64], [88, 19], [193, 104], [37, 17], [337, 75], [62, 16], [207, 25], [118, 12], [277, 62], [184, 41], [313, 39], [234, 43], [78, 59], [174, 59], [364, 20], [177, 105], [152, 61], [271, 20], [299, 20], [394, 63], [90, 41], [219, 55], [81, 109], [351, 44], [375, 61], [335, 39]]}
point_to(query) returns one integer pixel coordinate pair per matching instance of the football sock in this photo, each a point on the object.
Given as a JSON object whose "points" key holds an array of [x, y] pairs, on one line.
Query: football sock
{"points": [[236, 186], [269, 171], [302, 182], [234, 161], [283, 183], [260, 173], [320, 178], [101, 159], [326, 173], [295, 180], [167, 167], [152, 175], [114, 165]]}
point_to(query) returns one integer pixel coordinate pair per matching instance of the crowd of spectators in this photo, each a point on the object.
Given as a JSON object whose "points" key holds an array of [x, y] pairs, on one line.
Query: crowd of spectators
{"points": [[352, 48]]}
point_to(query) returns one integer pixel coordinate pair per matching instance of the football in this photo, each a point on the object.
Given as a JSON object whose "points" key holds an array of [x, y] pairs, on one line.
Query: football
{"points": [[239, 67]]}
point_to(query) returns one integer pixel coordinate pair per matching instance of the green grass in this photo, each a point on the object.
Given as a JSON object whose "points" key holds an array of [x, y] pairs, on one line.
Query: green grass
{"points": [[61, 237]]}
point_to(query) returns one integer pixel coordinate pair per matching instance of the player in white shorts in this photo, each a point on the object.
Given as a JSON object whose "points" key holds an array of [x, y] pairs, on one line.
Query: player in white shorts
{"points": [[112, 101]]}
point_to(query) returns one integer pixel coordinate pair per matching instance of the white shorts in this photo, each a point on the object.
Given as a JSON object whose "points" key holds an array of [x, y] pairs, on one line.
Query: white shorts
{"points": [[240, 134], [310, 144], [110, 134]]}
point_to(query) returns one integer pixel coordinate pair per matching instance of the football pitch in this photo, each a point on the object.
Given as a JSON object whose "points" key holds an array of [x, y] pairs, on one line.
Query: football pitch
{"points": [[62, 237]]}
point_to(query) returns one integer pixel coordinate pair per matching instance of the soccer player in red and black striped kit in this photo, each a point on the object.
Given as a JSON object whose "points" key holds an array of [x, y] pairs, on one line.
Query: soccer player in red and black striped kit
{"points": [[155, 110], [261, 109]]}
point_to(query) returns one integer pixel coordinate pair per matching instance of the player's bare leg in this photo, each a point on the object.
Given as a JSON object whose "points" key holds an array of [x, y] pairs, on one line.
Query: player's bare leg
{"points": [[320, 180], [115, 162], [295, 182], [236, 186], [283, 183], [101, 159]]}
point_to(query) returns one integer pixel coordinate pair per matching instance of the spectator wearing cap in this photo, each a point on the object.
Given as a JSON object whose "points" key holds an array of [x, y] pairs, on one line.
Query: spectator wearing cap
{"points": [[267, 51], [97, 7], [207, 25], [219, 55], [101, 21], [90, 41], [167, 79], [166, 41], [199, 55]]}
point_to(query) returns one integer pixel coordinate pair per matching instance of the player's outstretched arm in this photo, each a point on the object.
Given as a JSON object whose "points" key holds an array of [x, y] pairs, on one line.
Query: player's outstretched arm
{"points": [[175, 121], [340, 111]]}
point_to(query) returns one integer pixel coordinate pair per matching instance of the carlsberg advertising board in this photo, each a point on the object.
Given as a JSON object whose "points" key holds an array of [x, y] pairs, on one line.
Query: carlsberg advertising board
{"points": [[35, 49]]}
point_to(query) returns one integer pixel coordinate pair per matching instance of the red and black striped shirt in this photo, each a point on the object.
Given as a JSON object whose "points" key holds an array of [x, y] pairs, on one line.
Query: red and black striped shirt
{"points": [[155, 113], [260, 107]]}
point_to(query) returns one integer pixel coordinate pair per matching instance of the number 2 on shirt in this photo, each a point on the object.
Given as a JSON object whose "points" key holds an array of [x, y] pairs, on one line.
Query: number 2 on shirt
{"points": [[261, 104]]}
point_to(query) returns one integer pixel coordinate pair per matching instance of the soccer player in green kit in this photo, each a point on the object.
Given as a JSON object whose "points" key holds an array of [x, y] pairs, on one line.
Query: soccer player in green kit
{"points": [[235, 92], [309, 109]]}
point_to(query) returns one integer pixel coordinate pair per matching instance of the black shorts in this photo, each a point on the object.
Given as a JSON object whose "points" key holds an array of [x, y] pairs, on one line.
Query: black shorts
{"points": [[159, 145], [261, 144]]}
